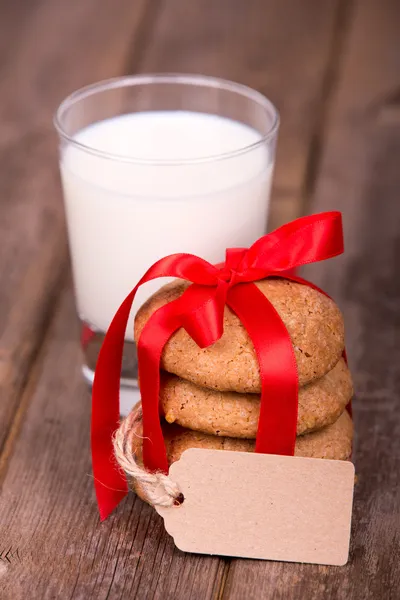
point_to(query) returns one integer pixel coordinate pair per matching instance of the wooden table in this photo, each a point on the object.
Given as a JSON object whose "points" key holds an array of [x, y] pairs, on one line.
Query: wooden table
{"points": [[333, 69]]}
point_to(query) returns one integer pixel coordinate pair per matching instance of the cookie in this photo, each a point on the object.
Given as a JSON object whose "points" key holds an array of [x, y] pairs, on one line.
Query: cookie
{"points": [[332, 442], [313, 321], [236, 415]]}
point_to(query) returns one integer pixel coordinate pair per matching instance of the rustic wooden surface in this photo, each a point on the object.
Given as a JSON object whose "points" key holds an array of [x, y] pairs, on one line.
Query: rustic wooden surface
{"points": [[333, 69]]}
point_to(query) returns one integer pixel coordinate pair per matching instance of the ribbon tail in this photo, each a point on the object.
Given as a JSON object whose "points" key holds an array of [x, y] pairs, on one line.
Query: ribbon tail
{"points": [[109, 480], [205, 308], [277, 424], [155, 334]]}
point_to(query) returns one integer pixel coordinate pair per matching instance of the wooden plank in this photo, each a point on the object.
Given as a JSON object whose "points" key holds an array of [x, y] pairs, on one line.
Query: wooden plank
{"points": [[280, 47], [359, 175], [50, 48]]}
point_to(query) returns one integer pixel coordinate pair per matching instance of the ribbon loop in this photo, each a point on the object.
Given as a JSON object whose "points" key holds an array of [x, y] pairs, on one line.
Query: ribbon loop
{"points": [[305, 240], [204, 320], [200, 311]]}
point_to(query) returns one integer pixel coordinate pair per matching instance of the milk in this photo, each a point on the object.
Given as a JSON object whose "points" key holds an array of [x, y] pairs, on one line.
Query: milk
{"points": [[123, 215]]}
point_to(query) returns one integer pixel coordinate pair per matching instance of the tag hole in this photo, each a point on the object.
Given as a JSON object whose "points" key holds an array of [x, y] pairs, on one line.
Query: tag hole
{"points": [[179, 500]]}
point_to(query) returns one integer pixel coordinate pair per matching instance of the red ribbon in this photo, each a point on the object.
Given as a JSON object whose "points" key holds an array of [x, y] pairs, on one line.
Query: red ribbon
{"points": [[200, 311]]}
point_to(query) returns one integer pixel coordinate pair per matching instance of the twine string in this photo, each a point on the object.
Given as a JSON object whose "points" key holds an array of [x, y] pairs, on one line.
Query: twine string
{"points": [[157, 488]]}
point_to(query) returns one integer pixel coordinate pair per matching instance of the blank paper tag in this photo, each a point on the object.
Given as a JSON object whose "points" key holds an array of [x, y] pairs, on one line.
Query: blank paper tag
{"points": [[262, 506]]}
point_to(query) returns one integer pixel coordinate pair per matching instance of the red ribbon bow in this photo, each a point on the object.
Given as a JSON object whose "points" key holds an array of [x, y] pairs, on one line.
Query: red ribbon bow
{"points": [[200, 310]]}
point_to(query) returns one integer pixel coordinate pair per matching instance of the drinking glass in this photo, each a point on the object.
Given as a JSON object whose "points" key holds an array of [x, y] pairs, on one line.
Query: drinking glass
{"points": [[152, 165]]}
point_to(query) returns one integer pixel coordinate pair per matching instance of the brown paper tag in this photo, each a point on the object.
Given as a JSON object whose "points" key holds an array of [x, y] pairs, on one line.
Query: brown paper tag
{"points": [[262, 506]]}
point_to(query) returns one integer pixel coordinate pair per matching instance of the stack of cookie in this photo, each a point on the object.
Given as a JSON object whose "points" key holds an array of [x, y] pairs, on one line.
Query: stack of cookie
{"points": [[210, 398]]}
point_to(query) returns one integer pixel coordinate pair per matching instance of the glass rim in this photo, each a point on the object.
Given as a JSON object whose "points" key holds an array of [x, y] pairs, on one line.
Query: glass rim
{"points": [[166, 78]]}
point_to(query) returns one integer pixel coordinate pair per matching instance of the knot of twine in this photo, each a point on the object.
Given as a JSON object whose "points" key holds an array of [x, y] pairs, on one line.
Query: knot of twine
{"points": [[157, 488]]}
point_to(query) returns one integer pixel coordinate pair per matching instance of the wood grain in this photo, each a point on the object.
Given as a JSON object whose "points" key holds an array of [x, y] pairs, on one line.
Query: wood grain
{"points": [[48, 510], [359, 175], [49, 528], [282, 48], [50, 48]]}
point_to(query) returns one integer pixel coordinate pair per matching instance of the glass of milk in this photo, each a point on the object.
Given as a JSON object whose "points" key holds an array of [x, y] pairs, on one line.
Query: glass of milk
{"points": [[153, 165]]}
